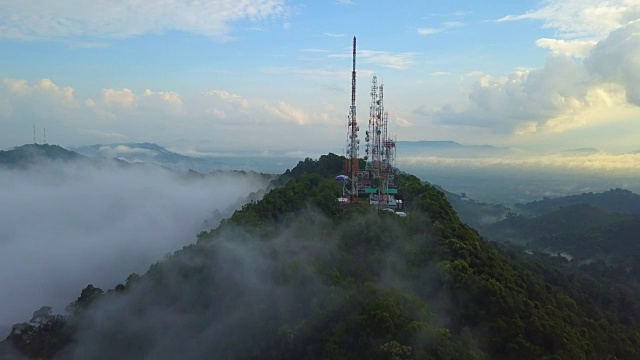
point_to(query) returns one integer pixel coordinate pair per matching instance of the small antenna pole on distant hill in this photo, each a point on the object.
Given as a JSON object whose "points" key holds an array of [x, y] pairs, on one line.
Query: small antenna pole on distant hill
{"points": [[44, 137], [34, 134]]}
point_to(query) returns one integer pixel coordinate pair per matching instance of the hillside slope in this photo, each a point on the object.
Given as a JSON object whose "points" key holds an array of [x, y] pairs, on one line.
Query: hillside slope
{"points": [[614, 200], [29, 154], [295, 276]]}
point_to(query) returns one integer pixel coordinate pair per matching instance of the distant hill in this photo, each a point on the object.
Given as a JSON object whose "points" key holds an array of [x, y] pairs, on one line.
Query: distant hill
{"points": [[475, 213], [614, 200], [582, 232], [572, 218], [29, 154], [134, 152], [157, 154]]}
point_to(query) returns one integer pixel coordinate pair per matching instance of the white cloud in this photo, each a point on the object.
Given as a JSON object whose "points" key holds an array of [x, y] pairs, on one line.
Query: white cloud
{"points": [[333, 35], [229, 97], [288, 112], [564, 95], [424, 31], [71, 224], [582, 18], [104, 136], [45, 88], [580, 23], [122, 114], [124, 97], [41, 103], [617, 60], [475, 73], [399, 61], [29, 19], [403, 122], [428, 31], [124, 104], [576, 48]]}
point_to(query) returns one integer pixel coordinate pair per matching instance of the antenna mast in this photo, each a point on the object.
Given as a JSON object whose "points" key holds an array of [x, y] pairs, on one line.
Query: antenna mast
{"points": [[351, 163], [44, 137], [382, 150], [34, 134]]}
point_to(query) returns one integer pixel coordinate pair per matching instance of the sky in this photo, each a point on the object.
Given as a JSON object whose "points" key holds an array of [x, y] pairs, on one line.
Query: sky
{"points": [[275, 74]]}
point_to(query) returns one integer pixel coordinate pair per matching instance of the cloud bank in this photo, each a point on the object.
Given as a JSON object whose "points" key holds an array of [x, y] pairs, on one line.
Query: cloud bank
{"points": [[65, 226], [115, 115], [32, 20], [591, 162], [590, 77]]}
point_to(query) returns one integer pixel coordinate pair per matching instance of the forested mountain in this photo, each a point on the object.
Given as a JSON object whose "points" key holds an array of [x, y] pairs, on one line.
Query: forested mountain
{"points": [[521, 229], [614, 200], [295, 276], [583, 232], [476, 214], [29, 154]]}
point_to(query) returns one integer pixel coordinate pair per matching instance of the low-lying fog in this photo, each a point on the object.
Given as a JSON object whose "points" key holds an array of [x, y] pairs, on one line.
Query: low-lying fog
{"points": [[512, 178], [65, 226]]}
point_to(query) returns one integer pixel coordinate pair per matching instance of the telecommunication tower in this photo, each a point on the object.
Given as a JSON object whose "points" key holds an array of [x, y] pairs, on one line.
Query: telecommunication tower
{"points": [[353, 143], [381, 149]]}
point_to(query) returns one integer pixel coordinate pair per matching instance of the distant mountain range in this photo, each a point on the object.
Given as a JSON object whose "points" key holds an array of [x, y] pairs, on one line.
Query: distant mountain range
{"points": [[584, 228], [614, 200], [156, 154], [150, 153], [135, 152], [580, 232]]}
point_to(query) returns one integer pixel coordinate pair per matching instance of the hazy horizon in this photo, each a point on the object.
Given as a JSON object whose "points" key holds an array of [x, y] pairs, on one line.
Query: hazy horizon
{"points": [[275, 74]]}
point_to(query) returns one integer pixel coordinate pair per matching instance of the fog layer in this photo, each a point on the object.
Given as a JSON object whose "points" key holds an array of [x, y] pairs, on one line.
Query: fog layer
{"points": [[65, 226]]}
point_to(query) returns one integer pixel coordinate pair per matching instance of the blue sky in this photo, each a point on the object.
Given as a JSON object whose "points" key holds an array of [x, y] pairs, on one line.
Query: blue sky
{"points": [[275, 74]]}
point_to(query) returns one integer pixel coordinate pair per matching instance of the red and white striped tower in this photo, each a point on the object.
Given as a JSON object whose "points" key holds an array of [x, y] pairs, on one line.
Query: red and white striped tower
{"points": [[353, 144]]}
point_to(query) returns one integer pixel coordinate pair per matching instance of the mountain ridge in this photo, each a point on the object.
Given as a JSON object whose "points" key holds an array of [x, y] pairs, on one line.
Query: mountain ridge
{"points": [[29, 154], [303, 278]]}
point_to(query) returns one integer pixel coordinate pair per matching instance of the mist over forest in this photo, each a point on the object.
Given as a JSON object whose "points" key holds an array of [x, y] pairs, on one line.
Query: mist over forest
{"points": [[293, 274], [508, 176], [64, 225]]}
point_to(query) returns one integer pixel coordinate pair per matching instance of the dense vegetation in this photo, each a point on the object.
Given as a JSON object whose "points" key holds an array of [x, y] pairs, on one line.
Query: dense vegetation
{"points": [[28, 154], [295, 276], [614, 200]]}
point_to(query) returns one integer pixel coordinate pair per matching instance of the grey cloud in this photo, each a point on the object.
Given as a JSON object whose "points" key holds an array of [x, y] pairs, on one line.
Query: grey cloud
{"points": [[559, 90], [525, 96], [65, 226], [239, 293], [617, 59]]}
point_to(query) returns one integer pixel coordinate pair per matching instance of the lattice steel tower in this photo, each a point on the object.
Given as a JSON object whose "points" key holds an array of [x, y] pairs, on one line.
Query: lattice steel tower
{"points": [[353, 143], [380, 148]]}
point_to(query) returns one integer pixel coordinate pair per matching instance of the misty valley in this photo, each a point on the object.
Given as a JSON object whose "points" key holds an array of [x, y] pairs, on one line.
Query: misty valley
{"points": [[112, 257]]}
